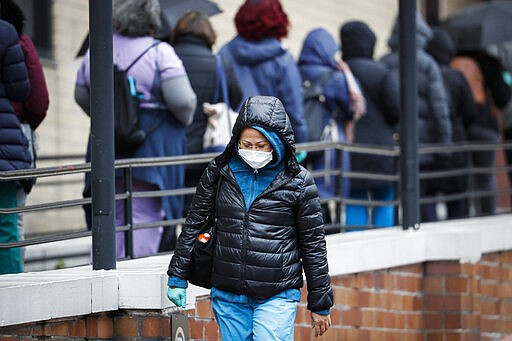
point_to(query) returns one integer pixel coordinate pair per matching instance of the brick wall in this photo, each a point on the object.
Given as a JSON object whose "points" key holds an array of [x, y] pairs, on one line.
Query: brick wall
{"points": [[442, 300]]}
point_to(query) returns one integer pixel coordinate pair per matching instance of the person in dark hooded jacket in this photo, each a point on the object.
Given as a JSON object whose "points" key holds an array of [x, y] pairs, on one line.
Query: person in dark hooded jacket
{"points": [[268, 230], [463, 113], [317, 60], [381, 90], [14, 153], [434, 125]]}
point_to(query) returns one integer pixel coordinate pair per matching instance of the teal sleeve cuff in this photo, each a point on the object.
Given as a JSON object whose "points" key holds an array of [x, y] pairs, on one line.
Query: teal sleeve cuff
{"points": [[177, 282], [323, 312]]}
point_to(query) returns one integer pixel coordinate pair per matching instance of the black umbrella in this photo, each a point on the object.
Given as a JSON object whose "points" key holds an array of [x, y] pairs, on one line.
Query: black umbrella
{"points": [[171, 11], [481, 25]]}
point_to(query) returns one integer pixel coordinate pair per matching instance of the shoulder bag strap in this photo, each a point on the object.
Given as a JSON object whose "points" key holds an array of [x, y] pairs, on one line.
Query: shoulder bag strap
{"points": [[223, 85], [142, 54]]}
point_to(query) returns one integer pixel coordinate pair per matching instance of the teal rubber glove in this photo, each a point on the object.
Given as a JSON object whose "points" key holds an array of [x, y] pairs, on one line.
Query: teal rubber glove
{"points": [[301, 156], [178, 296]]}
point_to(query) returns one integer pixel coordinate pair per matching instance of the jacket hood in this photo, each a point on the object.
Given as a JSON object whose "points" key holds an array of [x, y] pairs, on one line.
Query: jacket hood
{"points": [[423, 34], [266, 112], [357, 40], [319, 48], [247, 52], [441, 46], [278, 145]]}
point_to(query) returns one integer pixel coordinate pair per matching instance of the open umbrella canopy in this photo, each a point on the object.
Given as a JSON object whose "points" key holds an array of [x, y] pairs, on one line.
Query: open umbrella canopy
{"points": [[481, 25], [170, 12]]}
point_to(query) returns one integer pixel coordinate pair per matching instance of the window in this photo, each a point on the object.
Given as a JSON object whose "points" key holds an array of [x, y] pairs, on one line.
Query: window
{"points": [[39, 24]]}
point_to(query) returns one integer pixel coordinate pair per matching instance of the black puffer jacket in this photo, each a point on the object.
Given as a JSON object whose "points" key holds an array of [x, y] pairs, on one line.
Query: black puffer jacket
{"points": [[262, 251]]}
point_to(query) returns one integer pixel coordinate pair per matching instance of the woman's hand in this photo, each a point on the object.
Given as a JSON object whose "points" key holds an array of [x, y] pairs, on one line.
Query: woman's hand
{"points": [[321, 323]]}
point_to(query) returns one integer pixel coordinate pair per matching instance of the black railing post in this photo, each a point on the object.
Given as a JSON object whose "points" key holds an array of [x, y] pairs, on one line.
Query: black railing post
{"points": [[338, 190], [127, 209], [102, 135], [409, 116]]}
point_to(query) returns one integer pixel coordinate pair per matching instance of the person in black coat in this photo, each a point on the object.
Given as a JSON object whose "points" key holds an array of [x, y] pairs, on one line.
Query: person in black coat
{"points": [[381, 89], [192, 39], [14, 151], [463, 113], [268, 230], [434, 124]]}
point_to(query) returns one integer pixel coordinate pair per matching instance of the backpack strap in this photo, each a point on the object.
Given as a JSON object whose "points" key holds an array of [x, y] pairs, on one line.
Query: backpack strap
{"points": [[142, 54]]}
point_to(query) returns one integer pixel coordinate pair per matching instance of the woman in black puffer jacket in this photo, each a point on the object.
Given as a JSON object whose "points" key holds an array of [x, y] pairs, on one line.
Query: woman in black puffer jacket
{"points": [[268, 230]]}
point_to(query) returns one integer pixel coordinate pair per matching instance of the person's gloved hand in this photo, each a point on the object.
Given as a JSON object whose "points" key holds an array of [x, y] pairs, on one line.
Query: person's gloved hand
{"points": [[301, 156], [178, 296]]}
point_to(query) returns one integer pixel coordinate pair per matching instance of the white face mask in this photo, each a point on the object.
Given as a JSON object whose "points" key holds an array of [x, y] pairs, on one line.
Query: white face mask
{"points": [[254, 158]]}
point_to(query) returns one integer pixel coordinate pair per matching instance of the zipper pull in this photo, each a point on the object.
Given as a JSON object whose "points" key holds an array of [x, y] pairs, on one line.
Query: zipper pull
{"points": [[255, 172]]}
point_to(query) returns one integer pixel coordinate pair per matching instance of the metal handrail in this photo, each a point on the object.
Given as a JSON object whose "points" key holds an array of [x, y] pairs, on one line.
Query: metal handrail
{"points": [[204, 158]]}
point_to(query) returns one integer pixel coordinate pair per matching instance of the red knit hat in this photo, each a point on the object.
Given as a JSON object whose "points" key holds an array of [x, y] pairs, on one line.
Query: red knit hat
{"points": [[259, 19]]}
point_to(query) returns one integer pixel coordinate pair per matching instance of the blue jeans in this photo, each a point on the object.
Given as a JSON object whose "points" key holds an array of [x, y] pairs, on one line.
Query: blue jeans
{"points": [[243, 318]]}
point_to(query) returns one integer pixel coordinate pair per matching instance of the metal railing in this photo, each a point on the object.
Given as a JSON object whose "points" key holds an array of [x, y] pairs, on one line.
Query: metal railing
{"points": [[337, 202]]}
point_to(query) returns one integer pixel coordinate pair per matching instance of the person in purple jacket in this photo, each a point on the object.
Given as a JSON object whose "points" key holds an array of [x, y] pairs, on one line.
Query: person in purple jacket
{"points": [[167, 108]]}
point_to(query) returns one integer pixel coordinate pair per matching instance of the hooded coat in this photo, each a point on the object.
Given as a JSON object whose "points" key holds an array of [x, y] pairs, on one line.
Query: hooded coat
{"points": [[266, 67], [14, 86], [317, 57], [262, 250], [463, 110], [434, 125], [381, 89]]}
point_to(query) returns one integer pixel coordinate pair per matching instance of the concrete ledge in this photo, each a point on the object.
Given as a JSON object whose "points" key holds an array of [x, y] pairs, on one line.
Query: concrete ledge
{"points": [[142, 283]]}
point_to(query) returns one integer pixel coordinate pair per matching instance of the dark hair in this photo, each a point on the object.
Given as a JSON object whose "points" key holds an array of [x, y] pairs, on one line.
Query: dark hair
{"points": [[259, 19], [196, 24], [136, 18], [12, 13]]}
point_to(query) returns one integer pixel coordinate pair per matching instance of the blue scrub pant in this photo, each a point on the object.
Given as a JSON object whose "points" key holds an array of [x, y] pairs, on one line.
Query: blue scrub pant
{"points": [[242, 318]]}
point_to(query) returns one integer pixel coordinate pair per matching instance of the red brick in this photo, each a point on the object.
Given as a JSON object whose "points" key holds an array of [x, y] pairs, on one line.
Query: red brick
{"points": [[151, 327], [368, 318], [363, 298], [408, 283], [434, 284], [505, 307], [470, 269], [413, 321], [91, 325], [346, 296], [106, 327], [211, 331], [505, 290], [389, 281], [445, 267], [433, 320], [489, 306], [489, 324], [165, 326], [303, 333], [351, 317], [395, 302], [453, 321], [435, 336], [380, 300], [126, 326], [506, 274], [506, 257], [204, 308], [196, 329], [489, 271], [456, 284], [342, 281], [442, 302], [490, 257], [37, 330], [489, 288], [409, 302], [77, 328], [303, 315], [412, 268]]}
